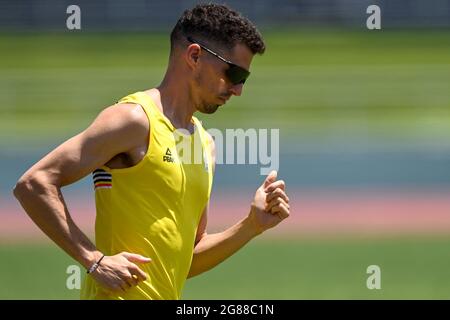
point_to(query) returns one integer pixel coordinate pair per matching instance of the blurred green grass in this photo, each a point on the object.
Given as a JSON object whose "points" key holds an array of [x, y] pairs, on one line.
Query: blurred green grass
{"points": [[313, 84], [411, 268]]}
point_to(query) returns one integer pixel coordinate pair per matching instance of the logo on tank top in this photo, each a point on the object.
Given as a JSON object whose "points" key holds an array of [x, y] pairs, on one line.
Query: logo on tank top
{"points": [[168, 156], [102, 179]]}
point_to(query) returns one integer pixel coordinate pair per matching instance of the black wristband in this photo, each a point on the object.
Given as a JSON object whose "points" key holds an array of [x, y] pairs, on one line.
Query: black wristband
{"points": [[95, 265]]}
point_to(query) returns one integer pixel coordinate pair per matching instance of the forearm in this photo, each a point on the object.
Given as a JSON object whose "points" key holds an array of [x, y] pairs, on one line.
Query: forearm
{"points": [[212, 249], [45, 205]]}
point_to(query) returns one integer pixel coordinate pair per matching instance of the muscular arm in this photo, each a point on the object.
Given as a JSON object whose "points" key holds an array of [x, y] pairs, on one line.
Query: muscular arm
{"points": [[39, 189], [269, 207]]}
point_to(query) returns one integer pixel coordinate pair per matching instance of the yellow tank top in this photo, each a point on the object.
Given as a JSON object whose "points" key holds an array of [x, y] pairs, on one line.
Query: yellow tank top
{"points": [[153, 208]]}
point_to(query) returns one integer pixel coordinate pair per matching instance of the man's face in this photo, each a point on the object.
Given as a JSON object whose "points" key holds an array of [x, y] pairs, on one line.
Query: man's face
{"points": [[212, 84]]}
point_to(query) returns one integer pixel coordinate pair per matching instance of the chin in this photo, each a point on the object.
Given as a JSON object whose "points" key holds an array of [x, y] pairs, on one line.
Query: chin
{"points": [[210, 109]]}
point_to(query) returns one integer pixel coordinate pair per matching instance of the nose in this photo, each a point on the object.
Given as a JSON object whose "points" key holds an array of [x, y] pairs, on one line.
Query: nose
{"points": [[237, 89]]}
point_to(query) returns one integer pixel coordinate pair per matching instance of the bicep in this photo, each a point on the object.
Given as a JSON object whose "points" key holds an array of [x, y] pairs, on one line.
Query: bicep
{"points": [[107, 136]]}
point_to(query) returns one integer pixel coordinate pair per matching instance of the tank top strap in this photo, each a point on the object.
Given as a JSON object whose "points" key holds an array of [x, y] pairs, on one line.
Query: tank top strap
{"points": [[201, 131], [150, 108]]}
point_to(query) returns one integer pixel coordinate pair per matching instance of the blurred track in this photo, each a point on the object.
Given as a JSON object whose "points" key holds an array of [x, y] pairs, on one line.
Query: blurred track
{"points": [[314, 213]]}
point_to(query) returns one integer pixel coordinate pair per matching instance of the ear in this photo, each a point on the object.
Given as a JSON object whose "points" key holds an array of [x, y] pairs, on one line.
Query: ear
{"points": [[192, 55]]}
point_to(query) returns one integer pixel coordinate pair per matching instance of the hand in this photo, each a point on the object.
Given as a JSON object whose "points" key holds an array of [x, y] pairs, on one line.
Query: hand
{"points": [[270, 205], [119, 272]]}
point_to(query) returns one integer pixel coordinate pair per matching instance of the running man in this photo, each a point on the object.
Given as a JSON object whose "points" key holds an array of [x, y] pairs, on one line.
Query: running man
{"points": [[151, 208]]}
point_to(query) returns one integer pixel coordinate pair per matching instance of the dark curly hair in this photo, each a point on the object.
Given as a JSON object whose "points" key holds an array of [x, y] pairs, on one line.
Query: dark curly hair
{"points": [[218, 24]]}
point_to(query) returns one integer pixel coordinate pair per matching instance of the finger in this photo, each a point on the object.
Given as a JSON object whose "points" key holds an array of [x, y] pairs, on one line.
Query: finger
{"points": [[123, 286], [281, 211], [137, 272], [137, 258], [269, 179], [278, 192], [276, 202], [135, 279], [272, 204], [127, 278], [116, 288], [131, 280], [277, 184], [124, 280]]}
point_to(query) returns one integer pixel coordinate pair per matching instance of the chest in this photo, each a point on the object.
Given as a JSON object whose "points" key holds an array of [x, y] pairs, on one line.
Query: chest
{"points": [[182, 165]]}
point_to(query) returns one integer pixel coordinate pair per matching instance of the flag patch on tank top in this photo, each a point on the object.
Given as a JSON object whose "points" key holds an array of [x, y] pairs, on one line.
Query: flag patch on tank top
{"points": [[102, 179]]}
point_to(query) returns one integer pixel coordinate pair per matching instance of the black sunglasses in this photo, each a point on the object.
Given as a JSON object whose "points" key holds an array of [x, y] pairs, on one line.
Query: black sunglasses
{"points": [[234, 73]]}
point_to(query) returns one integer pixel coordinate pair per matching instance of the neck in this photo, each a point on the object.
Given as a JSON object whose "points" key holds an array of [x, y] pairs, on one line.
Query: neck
{"points": [[176, 101]]}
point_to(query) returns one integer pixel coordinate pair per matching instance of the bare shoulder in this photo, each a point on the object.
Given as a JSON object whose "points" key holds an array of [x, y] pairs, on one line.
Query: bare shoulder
{"points": [[117, 129], [124, 122], [123, 115]]}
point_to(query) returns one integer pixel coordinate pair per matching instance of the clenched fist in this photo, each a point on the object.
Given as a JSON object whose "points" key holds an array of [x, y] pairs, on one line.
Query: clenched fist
{"points": [[271, 203]]}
